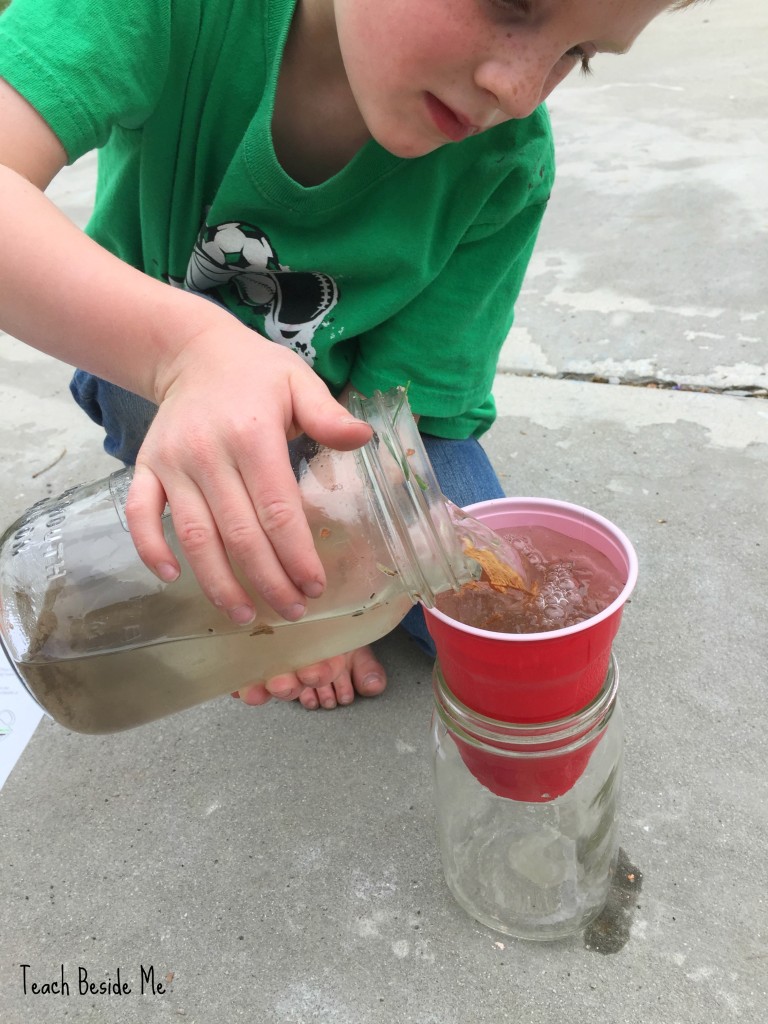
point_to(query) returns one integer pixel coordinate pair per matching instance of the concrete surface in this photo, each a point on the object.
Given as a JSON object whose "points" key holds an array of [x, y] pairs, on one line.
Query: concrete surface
{"points": [[281, 866], [652, 262]]}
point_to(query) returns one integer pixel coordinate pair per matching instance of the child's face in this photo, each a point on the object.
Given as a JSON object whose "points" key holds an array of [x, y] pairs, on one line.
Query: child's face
{"points": [[427, 72]]}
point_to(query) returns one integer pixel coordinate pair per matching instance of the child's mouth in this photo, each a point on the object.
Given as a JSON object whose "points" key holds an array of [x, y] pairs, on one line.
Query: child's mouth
{"points": [[450, 124]]}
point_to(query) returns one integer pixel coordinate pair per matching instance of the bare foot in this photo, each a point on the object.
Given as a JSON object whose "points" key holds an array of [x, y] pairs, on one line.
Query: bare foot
{"points": [[326, 684]]}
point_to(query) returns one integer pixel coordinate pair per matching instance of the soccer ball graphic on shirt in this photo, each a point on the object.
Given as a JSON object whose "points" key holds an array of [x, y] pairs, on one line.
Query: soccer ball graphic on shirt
{"points": [[236, 261]]}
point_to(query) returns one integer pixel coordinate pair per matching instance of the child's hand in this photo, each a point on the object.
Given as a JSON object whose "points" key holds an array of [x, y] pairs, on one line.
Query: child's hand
{"points": [[217, 453]]}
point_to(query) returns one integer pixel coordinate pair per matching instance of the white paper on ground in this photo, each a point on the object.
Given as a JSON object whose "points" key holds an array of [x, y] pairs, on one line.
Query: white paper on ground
{"points": [[19, 716]]}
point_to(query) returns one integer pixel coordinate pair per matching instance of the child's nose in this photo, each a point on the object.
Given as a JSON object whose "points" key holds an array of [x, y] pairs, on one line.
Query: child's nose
{"points": [[518, 85]]}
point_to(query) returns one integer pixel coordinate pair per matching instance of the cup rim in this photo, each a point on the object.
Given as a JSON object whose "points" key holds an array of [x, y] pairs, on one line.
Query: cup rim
{"points": [[552, 634]]}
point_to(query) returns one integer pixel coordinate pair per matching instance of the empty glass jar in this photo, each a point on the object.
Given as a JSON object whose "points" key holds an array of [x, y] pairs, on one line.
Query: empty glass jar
{"points": [[527, 814]]}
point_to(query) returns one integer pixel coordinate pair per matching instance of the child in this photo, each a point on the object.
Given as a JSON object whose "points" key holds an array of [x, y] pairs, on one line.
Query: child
{"points": [[357, 187]]}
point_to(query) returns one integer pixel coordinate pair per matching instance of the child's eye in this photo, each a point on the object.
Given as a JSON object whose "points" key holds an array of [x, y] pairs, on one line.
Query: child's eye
{"points": [[579, 53], [521, 7]]}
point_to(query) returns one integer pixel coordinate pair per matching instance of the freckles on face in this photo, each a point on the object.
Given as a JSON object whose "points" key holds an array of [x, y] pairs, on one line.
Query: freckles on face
{"points": [[395, 53], [488, 61], [558, 37]]}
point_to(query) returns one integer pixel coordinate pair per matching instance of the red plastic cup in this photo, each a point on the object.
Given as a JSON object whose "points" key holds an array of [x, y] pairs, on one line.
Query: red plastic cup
{"points": [[536, 677], [531, 763]]}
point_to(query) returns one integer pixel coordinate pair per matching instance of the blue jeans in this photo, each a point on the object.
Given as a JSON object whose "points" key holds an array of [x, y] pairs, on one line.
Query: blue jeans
{"points": [[462, 468], [125, 417]]}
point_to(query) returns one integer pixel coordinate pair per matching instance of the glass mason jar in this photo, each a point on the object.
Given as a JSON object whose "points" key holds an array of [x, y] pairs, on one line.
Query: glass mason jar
{"points": [[527, 814], [103, 645]]}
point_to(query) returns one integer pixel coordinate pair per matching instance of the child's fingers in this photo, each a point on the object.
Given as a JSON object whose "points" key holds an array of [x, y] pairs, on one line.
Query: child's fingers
{"points": [[286, 547], [218, 522], [254, 500], [317, 413], [198, 537], [222, 526], [233, 494], [143, 510]]}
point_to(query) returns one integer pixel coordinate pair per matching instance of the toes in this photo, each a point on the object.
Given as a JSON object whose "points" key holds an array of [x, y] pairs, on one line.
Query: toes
{"points": [[368, 675], [325, 684], [341, 691], [285, 687], [254, 695], [326, 695], [308, 699], [323, 673], [344, 688]]}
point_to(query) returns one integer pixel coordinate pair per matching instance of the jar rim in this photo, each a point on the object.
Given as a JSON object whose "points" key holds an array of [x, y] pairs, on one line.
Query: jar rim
{"points": [[418, 499], [525, 739]]}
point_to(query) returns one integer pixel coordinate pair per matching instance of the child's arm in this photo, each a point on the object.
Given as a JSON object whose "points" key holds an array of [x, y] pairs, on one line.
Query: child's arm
{"points": [[227, 398]]}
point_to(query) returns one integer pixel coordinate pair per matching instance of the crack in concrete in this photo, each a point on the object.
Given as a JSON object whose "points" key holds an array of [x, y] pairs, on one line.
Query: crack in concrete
{"points": [[657, 383]]}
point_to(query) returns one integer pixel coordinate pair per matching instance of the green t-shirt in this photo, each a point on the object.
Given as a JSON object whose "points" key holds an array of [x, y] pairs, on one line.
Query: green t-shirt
{"points": [[391, 271]]}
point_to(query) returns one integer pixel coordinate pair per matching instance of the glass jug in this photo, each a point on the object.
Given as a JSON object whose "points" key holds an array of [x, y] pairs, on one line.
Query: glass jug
{"points": [[103, 645]]}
